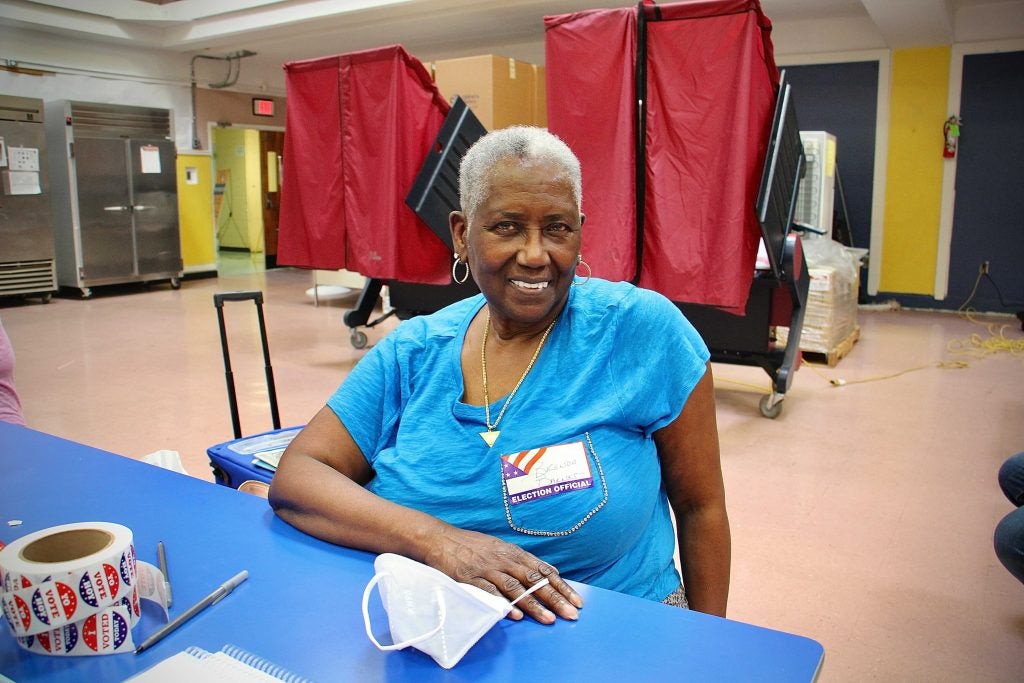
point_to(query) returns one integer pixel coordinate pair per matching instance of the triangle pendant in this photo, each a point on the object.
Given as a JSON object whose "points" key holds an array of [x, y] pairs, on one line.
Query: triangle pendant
{"points": [[490, 437]]}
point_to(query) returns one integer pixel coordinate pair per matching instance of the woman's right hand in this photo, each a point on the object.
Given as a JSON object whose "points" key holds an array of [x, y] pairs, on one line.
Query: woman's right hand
{"points": [[319, 488], [505, 570]]}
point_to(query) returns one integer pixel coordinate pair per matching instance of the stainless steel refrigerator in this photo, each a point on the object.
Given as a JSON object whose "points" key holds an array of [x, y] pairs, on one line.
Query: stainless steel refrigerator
{"points": [[27, 265], [114, 191]]}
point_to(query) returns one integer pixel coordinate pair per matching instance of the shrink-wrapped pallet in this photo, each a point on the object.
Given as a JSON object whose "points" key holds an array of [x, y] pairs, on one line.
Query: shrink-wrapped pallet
{"points": [[831, 314]]}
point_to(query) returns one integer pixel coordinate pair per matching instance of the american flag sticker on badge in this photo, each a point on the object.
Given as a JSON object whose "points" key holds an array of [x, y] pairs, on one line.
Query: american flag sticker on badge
{"points": [[547, 471]]}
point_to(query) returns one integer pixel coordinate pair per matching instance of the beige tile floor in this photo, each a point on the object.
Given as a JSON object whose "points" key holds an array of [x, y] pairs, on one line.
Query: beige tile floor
{"points": [[862, 516]]}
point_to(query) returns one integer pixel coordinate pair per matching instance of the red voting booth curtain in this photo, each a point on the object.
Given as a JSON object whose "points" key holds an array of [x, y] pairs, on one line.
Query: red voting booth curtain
{"points": [[359, 127], [589, 63], [711, 81]]}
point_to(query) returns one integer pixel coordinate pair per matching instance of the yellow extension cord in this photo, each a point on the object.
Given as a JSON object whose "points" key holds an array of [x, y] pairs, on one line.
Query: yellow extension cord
{"points": [[979, 347], [756, 387]]}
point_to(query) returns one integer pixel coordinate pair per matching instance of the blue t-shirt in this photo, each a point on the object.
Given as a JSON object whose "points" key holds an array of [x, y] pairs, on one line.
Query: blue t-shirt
{"points": [[619, 364]]}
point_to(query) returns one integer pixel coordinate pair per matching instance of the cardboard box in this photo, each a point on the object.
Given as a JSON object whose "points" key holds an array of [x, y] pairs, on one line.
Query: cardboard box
{"points": [[540, 96], [501, 91], [830, 316]]}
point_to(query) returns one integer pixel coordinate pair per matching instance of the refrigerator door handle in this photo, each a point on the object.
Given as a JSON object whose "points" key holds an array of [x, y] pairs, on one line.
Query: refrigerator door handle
{"points": [[115, 208], [141, 207]]}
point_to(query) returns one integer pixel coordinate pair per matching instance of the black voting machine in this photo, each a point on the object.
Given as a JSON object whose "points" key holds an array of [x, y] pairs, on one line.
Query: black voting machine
{"points": [[778, 294]]}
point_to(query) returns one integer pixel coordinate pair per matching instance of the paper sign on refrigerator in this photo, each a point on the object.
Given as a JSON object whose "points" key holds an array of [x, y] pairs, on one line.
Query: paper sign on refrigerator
{"points": [[150, 158]]}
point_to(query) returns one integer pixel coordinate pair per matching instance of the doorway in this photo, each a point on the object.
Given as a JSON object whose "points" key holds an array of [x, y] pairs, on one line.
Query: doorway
{"points": [[247, 175], [271, 154]]}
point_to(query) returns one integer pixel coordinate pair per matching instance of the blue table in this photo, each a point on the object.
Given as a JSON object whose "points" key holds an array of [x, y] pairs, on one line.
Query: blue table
{"points": [[300, 607]]}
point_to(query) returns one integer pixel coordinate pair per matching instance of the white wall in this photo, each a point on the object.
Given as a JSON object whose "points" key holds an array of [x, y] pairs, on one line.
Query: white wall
{"points": [[67, 52], [1001, 21], [107, 91], [814, 36]]}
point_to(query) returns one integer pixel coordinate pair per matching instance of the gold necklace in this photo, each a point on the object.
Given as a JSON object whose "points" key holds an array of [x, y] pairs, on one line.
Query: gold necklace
{"points": [[491, 435]]}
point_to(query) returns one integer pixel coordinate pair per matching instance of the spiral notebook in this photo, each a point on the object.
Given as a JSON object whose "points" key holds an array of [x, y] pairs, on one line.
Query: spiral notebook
{"points": [[230, 665]]}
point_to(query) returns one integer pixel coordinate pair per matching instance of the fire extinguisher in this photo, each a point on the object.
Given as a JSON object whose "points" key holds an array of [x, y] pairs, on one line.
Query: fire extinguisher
{"points": [[950, 133]]}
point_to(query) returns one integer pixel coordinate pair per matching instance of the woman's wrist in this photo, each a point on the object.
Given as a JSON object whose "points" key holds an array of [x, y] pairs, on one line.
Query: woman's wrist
{"points": [[424, 540]]}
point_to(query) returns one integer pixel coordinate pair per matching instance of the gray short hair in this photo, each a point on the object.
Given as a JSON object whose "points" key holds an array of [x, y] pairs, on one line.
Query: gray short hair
{"points": [[519, 142]]}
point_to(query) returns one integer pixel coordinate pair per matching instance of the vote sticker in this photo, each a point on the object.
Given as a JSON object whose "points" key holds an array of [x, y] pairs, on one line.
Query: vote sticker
{"points": [[59, 641], [19, 609], [113, 581], [13, 582], [52, 602], [105, 631], [128, 565]]}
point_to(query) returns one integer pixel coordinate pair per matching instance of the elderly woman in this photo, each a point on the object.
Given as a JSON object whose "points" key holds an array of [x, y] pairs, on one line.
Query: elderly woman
{"points": [[545, 428]]}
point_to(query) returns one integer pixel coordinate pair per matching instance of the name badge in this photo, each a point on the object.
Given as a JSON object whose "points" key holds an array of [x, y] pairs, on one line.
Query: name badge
{"points": [[547, 471]]}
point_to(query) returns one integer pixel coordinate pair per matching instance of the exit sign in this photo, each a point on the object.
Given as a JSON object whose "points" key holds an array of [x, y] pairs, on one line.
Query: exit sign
{"points": [[262, 107]]}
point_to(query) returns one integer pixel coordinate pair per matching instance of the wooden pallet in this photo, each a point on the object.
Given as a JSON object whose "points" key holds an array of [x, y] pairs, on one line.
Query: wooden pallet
{"points": [[837, 353]]}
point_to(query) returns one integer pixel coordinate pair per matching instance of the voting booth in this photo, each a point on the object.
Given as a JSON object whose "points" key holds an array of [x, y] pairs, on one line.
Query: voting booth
{"points": [[691, 159], [371, 171], [359, 127]]}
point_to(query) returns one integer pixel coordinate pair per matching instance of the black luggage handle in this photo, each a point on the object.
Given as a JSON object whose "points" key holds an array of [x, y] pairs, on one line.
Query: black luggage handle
{"points": [[257, 298], [220, 297]]}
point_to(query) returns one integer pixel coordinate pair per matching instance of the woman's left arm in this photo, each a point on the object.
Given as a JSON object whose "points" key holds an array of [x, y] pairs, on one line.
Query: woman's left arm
{"points": [[691, 470]]}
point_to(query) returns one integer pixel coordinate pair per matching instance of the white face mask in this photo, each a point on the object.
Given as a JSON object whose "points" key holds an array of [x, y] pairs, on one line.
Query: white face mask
{"points": [[431, 611]]}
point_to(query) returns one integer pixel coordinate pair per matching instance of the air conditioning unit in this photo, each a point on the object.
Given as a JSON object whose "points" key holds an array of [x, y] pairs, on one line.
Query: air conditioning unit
{"points": [[814, 203]]}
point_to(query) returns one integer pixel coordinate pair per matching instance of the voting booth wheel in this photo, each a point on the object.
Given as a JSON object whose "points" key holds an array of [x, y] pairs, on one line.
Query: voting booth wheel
{"points": [[771, 405], [358, 339]]}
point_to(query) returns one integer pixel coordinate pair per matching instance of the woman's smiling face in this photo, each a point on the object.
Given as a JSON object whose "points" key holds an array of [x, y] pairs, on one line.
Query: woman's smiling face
{"points": [[523, 242]]}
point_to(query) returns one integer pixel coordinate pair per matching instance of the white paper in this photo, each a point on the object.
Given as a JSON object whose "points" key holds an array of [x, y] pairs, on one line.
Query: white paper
{"points": [[23, 159], [265, 442], [21, 182], [214, 668], [230, 665], [150, 158], [167, 459]]}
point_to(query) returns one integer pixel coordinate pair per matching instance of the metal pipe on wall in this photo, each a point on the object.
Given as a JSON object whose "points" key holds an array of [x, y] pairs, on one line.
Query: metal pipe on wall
{"points": [[234, 71]]}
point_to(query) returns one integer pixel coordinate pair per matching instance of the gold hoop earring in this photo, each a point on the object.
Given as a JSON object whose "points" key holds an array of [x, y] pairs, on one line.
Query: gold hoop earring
{"points": [[455, 264], [581, 262]]}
